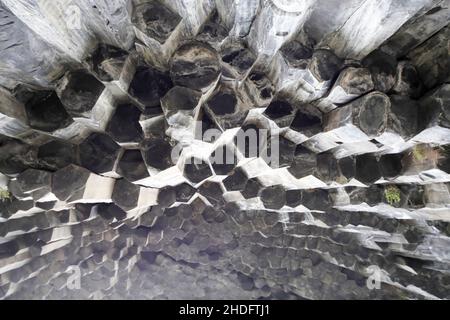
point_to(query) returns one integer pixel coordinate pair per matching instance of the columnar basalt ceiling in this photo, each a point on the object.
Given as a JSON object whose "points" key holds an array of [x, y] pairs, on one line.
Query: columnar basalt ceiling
{"points": [[117, 119]]}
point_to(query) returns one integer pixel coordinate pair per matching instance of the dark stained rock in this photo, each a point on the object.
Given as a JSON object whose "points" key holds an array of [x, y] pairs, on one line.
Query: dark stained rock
{"points": [[367, 169], [210, 214], [383, 68], [153, 126], [222, 103], [149, 85], [347, 167], [155, 20], [132, 166], [430, 59], [281, 112], [15, 155], [32, 180], [324, 65], [184, 192], [109, 211], [273, 197], [252, 188], [444, 162], [79, 92], [351, 83], [238, 57], [372, 114], [68, 181], [125, 194], [157, 153], [435, 108], [407, 81], [304, 164], [403, 118], [99, 153], [167, 196], [416, 196], [306, 123], [45, 205], [296, 54], [194, 65], [293, 198], [246, 282], [177, 213], [213, 192], [15, 190], [107, 62], [258, 82], [149, 257], [196, 170], [212, 30], [208, 228], [316, 199], [180, 99], [236, 180], [327, 167], [390, 165], [132, 132], [45, 112], [150, 112], [225, 107], [57, 154]]}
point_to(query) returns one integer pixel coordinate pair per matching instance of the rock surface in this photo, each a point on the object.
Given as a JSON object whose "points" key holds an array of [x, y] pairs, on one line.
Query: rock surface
{"points": [[261, 149]]}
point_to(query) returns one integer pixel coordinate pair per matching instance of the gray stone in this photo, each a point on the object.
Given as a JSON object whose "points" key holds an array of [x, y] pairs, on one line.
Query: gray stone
{"points": [[45, 112], [236, 180], [99, 153], [155, 19], [434, 108], [157, 153], [383, 70], [68, 181], [304, 164], [57, 154], [273, 197], [194, 65], [407, 81], [107, 62], [367, 169], [130, 133], [132, 166], [15, 156], [32, 180], [296, 54], [149, 85], [351, 83], [238, 57], [79, 92], [430, 59], [196, 170]]}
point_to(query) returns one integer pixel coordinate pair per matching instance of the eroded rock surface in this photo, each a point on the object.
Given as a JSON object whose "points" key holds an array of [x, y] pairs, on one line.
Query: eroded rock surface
{"points": [[225, 149]]}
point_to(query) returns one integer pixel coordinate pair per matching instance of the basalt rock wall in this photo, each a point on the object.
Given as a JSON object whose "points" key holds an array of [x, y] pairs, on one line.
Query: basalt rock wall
{"points": [[118, 119]]}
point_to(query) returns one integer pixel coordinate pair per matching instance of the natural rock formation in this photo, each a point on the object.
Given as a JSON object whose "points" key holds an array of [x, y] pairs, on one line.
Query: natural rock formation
{"points": [[260, 149]]}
